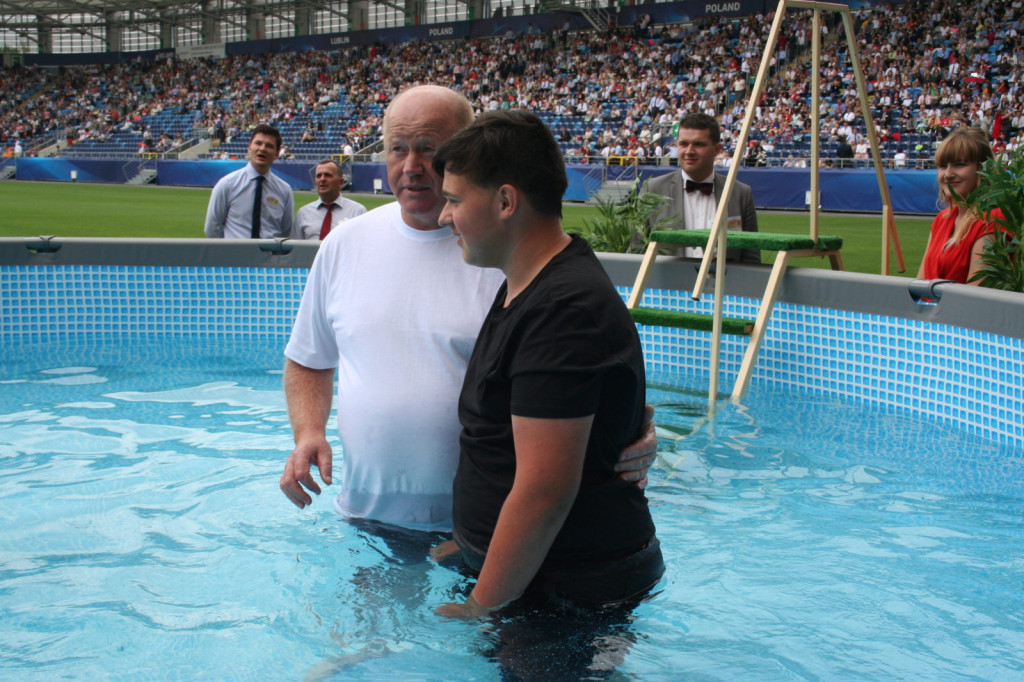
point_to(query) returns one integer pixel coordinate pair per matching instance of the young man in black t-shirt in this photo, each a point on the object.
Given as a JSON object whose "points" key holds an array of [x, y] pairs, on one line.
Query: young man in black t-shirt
{"points": [[554, 389]]}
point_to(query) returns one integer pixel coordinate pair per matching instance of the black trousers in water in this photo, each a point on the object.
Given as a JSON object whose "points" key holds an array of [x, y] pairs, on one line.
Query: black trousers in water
{"points": [[610, 585], [572, 624]]}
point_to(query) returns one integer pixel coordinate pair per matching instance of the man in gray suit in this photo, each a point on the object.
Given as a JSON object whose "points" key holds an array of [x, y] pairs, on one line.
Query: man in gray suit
{"points": [[693, 192]]}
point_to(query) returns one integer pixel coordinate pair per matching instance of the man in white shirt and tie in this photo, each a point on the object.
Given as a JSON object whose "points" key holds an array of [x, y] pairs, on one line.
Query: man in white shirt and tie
{"points": [[316, 220], [694, 191]]}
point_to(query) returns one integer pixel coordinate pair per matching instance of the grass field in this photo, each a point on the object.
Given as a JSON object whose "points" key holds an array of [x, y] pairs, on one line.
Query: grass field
{"points": [[29, 209]]}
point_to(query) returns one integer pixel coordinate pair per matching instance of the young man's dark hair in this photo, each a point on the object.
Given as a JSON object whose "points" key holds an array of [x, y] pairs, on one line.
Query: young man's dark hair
{"points": [[271, 131], [703, 122], [513, 147]]}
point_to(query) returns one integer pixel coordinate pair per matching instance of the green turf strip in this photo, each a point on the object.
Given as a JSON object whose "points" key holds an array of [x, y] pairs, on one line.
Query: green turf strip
{"points": [[69, 209], [698, 321], [749, 240]]}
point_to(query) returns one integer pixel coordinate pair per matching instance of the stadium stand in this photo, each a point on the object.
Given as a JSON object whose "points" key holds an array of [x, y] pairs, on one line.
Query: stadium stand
{"points": [[608, 98]]}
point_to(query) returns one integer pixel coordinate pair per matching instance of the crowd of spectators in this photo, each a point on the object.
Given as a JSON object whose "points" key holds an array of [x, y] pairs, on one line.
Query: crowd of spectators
{"points": [[929, 67]]}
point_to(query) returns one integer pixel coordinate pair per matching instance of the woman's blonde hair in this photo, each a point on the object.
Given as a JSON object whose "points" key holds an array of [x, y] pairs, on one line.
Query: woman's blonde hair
{"points": [[964, 145]]}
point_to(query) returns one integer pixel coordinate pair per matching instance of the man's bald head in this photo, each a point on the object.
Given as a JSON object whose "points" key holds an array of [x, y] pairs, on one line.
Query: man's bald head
{"points": [[416, 123], [437, 98]]}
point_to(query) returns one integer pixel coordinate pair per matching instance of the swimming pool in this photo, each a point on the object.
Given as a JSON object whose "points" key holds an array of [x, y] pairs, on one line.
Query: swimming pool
{"points": [[808, 535], [145, 538]]}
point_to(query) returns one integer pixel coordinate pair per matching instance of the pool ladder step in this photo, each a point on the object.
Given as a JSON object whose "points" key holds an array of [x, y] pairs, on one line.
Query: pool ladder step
{"points": [[703, 322], [786, 245], [795, 244]]}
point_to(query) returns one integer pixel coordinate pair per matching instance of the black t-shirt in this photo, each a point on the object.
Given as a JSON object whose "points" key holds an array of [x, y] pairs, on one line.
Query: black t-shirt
{"points": [[565, 347]]}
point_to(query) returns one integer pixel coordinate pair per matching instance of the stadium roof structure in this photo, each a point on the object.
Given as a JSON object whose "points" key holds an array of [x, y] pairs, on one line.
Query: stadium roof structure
{"points": [[60, 26], [154, 9]]}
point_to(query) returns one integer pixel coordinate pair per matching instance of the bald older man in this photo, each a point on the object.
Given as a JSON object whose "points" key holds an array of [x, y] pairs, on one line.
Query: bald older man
{"points": [[392, 306]]}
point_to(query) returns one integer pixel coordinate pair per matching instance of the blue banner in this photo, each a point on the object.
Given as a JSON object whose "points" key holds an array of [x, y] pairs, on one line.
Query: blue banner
{"points": [[454, 30], [911, 191], [369, 177], [298, 174], [71, 58], [71, 170]]}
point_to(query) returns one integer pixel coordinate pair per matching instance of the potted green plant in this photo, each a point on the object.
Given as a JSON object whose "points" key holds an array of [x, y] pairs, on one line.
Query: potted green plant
{"points": [[1002, 187], [618, 221]]}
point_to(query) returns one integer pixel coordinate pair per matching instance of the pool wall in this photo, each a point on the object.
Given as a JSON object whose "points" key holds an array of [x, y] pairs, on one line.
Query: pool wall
{"points": [[833, 333]]}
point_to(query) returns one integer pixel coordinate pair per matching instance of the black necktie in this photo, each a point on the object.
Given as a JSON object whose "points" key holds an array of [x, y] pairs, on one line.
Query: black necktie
{"points": [[704, 187], [257, 207]]}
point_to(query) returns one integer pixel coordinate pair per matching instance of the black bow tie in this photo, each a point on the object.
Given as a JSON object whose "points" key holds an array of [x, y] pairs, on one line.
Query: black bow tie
{"points": [[704, 187]]}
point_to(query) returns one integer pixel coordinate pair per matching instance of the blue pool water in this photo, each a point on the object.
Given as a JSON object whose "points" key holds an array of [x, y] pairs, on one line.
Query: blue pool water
{"points": [[144, 537]]}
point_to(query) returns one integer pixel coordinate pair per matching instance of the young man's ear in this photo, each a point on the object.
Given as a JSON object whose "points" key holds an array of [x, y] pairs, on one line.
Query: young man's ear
{"points": [[508, 196]]}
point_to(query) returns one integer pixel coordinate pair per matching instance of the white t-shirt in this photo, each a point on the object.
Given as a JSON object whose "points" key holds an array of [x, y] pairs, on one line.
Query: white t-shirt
{"points": [[397, 310]]}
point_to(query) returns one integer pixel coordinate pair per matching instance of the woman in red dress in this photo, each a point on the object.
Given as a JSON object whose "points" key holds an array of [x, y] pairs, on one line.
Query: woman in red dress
{"points": [[959, 235]]}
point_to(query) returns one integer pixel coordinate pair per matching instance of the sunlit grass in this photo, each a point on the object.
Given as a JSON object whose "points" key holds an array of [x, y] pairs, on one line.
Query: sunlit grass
{"points": [[86, 210]]}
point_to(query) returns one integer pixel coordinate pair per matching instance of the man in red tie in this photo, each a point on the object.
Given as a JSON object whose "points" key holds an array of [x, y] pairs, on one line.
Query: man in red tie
{"points": [[316, 220], [694, 191]]}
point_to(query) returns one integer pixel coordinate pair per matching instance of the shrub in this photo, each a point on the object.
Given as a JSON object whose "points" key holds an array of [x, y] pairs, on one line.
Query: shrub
{"points": [[612, 231], [1002, 187]]}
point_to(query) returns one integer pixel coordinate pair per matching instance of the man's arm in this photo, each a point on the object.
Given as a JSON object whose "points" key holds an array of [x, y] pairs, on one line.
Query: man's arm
{"points": [[308, 393], [661, 186], [549, 468], [217, 211], [749, 217], [288, 220]]}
